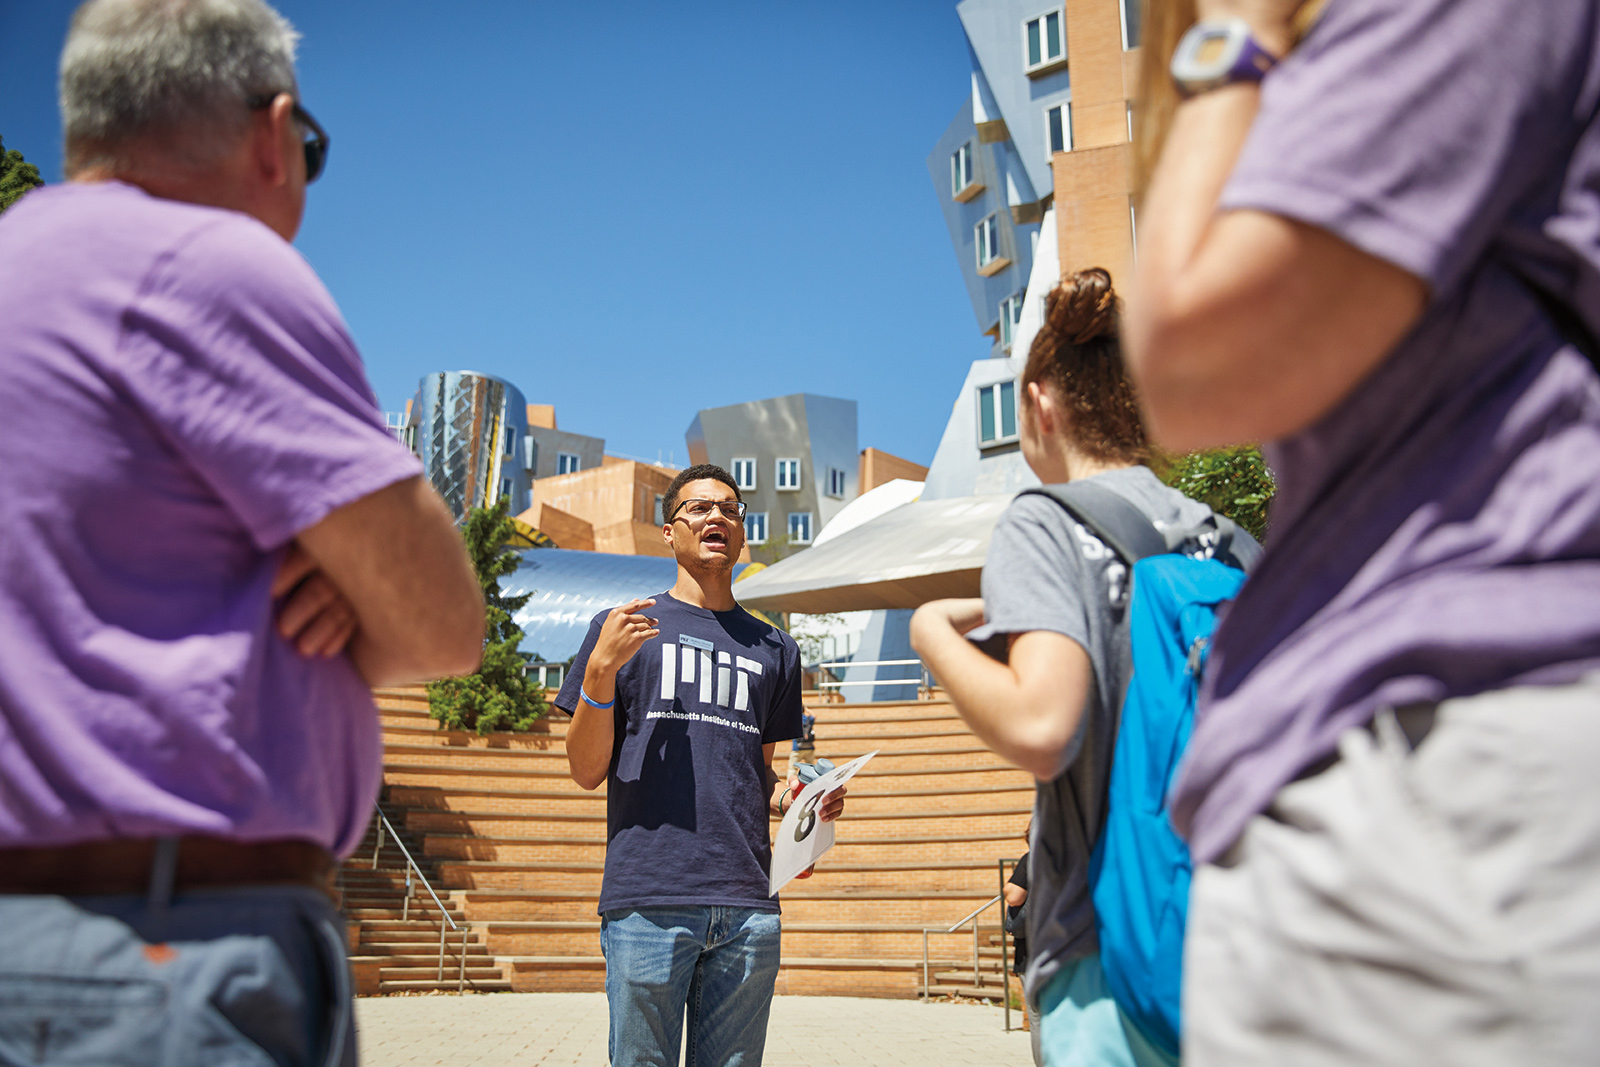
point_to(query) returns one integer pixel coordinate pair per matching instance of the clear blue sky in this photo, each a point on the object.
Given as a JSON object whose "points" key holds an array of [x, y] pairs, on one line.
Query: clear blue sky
{"points": [[631, 210]]}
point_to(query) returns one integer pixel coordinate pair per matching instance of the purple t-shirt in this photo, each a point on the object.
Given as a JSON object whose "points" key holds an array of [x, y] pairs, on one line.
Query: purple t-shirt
{"points": [[1438, 533], [179, 398]]}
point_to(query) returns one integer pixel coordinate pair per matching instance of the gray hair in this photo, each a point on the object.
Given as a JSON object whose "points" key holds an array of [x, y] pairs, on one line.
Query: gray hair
{"points": [[182, 70]]}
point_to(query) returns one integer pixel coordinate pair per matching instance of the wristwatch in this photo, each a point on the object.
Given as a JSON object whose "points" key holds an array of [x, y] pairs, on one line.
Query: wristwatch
{"points": [[1214, 54]]}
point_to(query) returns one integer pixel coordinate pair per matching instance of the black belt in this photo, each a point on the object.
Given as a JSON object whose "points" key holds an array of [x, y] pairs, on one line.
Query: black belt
{"points": [[130, 865]]}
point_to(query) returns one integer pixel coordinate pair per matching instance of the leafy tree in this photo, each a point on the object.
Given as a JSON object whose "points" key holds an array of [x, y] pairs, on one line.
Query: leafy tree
{"points": [[16, 176], [1233, 481], [775, 548], [500, 696]]}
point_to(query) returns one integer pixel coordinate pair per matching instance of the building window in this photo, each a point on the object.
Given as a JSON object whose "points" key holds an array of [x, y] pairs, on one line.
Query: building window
{"points": [[788, 474], [550, 675], [1058, 128], [835, 482], [1042, 42], [1010, 315], [744, 473], [961, 168], [530, 454], [755, 527], [1130, 123], [997, 413], [566, 463], [660, 516], [987, 234], [800, 527], [1130, 23], [511, 440], [505, 487]]}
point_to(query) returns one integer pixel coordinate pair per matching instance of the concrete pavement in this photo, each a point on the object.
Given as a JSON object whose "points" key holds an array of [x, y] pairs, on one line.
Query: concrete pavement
{"points": [[570, 1028]]}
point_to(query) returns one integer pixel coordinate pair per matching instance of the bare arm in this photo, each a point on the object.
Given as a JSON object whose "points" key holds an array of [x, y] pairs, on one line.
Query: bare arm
{"points": [[397, 557], [1027, 710], [778, 789], [1245, 325], [592, 732]]}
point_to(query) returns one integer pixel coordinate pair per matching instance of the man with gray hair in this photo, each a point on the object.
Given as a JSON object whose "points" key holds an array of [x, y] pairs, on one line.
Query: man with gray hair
{"points": [[210, 550]]}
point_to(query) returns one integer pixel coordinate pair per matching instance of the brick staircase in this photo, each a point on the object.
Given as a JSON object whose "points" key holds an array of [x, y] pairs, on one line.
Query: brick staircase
{"points": [[396, 928], [518, 850]]}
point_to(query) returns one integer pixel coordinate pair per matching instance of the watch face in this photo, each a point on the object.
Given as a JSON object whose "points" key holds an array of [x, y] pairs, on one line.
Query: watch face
{"points": [[1214, 54], [1212, 50]]}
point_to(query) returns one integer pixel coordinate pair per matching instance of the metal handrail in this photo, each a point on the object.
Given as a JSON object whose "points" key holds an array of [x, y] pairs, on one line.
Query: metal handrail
{"points": [[874, 663], [927, 983], [921, 681], [405, 907]]}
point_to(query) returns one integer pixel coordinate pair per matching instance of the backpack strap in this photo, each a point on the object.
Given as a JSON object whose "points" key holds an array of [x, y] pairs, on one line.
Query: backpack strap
{"points": [[1235, 546], [1125, 529], [1132, 535]]}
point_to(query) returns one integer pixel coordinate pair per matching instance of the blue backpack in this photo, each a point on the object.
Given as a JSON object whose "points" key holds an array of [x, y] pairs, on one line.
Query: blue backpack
{"points": [[1140, 869]]}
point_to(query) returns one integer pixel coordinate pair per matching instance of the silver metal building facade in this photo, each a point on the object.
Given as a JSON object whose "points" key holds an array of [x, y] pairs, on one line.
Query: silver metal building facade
{"points": [[991, 167], [794, 457], [471, 431]]}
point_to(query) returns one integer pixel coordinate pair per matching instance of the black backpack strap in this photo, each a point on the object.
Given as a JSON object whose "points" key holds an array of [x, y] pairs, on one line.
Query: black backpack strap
{"points": [[1125, 529]]}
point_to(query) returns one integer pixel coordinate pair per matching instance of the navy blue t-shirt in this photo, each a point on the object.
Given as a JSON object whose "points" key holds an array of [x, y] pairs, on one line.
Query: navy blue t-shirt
{"points": [[687, 793]]}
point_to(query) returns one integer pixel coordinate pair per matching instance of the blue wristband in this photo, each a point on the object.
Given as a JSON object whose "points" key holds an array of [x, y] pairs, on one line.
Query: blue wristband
{"points": [[593, 703]]}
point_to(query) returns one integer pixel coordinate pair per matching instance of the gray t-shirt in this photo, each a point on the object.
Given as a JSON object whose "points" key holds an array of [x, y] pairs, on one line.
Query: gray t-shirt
{"points": [[1046, 571]]}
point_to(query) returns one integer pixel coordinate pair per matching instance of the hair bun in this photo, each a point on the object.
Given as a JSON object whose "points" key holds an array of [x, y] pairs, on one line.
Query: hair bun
{"points": [[1084, 307]]}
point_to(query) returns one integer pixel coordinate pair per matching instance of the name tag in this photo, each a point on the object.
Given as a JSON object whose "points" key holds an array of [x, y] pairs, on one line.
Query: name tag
{"points": [[696, 642]]}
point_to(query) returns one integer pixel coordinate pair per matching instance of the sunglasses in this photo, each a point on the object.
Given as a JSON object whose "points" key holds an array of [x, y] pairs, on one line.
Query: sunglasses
{"points": [[316, 143]]}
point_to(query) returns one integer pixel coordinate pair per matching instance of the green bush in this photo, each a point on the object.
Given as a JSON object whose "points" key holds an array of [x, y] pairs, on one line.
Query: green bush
{"points": [[500, 696], [1233, 481]]}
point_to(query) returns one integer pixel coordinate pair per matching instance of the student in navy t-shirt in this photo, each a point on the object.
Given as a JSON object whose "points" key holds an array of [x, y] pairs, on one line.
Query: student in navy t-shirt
{"points": [[679, 713]]}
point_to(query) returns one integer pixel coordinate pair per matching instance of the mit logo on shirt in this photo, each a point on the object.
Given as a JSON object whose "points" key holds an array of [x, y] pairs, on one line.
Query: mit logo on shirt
{"points": [[729, 673]]}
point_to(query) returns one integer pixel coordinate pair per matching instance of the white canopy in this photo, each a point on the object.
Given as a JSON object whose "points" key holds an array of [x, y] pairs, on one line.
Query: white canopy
{"points": [[917, 552]]}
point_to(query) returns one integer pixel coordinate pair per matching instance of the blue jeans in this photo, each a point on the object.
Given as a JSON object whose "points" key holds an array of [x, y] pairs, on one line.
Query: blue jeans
{"points": [[1081, 1026], [718, 962], [253, 976]]}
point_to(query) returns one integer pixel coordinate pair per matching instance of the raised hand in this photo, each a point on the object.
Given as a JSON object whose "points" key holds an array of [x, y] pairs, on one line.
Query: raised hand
{"points": [[622, 634]]}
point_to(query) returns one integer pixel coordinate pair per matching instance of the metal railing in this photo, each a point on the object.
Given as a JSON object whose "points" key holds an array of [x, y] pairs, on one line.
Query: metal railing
{"points": [[977, 977], [405, 907], [922, 681], [1005, 949]]}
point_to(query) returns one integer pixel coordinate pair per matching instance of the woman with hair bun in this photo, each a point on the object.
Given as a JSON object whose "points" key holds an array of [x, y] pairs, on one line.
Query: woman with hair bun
{"points": [[1056, 594]]}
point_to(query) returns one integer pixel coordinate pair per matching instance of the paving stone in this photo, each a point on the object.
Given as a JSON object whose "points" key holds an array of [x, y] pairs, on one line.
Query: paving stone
{"points": [[551, 1029]]}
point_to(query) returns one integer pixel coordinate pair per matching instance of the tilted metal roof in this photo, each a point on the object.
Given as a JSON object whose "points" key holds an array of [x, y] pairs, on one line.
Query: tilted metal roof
{"points": [[570, 587], [902, 559]]}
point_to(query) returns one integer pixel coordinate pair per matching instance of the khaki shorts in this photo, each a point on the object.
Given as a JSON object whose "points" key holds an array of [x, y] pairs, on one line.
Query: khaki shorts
{"points": [[1436, 906]]}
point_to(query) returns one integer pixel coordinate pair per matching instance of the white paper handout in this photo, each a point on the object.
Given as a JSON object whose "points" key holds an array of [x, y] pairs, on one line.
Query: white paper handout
{"points": [[803, 837]]}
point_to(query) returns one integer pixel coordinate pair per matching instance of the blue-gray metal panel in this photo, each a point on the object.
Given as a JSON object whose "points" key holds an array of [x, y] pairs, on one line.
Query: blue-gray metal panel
{"points": [[991, 165], [570, 587], [994, 35], [959, 468]]}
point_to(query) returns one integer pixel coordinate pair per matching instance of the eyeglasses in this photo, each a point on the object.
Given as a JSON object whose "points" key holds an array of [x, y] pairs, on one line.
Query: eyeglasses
{"points": [[316, 145], [698, 511]]}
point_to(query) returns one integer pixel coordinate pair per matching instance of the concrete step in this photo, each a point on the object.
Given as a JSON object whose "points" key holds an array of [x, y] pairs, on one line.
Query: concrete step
{"points": [[481, 985]]}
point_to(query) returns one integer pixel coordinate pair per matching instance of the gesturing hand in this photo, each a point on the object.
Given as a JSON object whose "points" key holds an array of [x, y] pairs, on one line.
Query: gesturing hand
{"points": [[312, 614], [622, 634]]}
